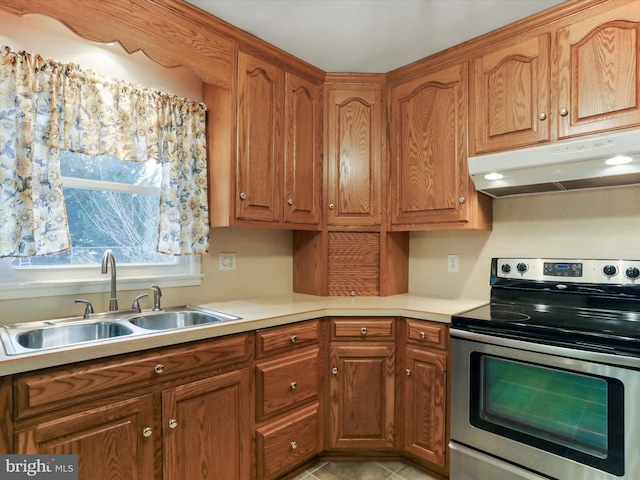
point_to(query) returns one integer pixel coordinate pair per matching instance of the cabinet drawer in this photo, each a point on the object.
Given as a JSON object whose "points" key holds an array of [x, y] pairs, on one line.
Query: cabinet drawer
{"points": [[284, 383], [365, 328], [284, 444], [286, 338], [430, 334], [62, 386]]}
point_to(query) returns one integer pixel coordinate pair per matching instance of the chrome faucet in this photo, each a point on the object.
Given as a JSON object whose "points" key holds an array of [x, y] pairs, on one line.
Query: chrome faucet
{"points": [[108, 260]]}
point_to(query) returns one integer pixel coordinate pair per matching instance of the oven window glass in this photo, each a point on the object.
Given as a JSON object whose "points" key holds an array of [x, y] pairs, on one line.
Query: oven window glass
{"points": [[569, 413], [564, 407]]}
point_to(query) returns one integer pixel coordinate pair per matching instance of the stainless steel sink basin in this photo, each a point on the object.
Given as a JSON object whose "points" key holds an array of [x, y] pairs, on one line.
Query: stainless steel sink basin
{"points": [[62, 335], [176, 318], [31, 337]]}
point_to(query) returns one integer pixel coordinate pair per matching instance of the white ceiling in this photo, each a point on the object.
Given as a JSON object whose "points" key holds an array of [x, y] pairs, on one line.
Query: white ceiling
{"points": [[368, 36]]}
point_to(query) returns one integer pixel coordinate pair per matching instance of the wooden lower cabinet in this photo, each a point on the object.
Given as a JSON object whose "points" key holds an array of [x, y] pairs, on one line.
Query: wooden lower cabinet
{"points": [[424, 406], [178, 419], [361, 387], [110, 441], [206, 428]]}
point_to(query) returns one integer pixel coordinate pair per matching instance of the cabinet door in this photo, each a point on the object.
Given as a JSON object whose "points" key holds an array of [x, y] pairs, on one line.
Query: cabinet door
{"points": [[361, 389], [510, 93], [354, 139], [303, 150], [430, 181], [260, 158], [598, 72], [425, 433], [110, 441], [206, 429]]}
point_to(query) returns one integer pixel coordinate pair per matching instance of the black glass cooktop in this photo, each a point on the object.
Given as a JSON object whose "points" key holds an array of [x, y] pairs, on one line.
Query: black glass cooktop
{"points": [[602, 317]]}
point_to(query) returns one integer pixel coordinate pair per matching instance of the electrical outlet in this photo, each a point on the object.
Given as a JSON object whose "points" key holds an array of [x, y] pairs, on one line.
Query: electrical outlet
{"points": [[227, 261], [453, 265]]}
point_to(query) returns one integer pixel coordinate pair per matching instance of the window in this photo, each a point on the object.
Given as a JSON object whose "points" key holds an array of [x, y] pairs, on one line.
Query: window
{"points": [[110, 205]]}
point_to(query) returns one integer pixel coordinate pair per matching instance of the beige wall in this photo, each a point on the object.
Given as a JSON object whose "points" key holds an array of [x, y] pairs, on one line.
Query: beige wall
{"points": [[264, 266], [602, 223]]}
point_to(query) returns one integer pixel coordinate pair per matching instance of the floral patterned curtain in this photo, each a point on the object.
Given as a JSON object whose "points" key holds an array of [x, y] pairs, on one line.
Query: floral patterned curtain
{"points": [[47, 106]]}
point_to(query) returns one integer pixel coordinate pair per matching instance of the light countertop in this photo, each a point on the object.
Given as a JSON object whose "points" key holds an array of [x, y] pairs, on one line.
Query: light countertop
{"points": [[255, 313]]}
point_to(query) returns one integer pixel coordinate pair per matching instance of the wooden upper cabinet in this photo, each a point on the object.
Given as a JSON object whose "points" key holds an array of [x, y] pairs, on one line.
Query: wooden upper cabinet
{"points": [[260, 119], [510, 96], [430, 180], [303, 150], [599, 72], [354, 143]]}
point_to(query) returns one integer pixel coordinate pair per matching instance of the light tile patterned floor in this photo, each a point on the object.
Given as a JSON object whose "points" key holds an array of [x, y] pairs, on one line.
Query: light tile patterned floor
{"points": [[362, 471]]}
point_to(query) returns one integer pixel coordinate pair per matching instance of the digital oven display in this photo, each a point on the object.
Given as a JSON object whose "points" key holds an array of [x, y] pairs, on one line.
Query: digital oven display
{"points": [[563, 269]]}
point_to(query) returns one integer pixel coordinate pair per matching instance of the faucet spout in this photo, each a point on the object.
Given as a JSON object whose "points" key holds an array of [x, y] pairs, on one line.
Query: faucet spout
{"points": [[109, 261]]}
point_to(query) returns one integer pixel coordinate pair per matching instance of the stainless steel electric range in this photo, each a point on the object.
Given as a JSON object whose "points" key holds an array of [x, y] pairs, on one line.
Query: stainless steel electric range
{"points": [[546, 377]]}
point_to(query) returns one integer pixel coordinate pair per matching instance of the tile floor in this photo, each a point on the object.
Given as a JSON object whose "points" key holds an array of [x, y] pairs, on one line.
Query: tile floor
{"points": [[382, 470]]}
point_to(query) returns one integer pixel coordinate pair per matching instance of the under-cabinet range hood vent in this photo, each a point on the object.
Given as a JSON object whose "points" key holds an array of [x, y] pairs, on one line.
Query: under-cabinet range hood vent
{"points": [[597, 161]]}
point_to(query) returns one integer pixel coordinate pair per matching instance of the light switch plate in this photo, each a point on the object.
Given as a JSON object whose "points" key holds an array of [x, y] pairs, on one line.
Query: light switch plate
{"points": [[227, 261]]}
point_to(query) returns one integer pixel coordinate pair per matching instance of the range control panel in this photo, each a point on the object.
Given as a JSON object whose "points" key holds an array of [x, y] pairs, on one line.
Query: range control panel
{"points": [[621, 272]]}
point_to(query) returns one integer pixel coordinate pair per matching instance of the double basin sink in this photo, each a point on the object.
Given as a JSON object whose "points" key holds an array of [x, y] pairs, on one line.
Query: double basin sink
{"points": [[33, 337]]}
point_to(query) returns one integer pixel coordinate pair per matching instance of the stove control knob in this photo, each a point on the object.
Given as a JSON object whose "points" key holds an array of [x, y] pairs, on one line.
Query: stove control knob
{"points": [[610, 270], [632, 273], [506, 268], [522, 267]]}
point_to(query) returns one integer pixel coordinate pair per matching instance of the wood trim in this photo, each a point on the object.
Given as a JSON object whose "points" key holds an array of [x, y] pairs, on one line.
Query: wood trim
{"points": [[7, 409]]}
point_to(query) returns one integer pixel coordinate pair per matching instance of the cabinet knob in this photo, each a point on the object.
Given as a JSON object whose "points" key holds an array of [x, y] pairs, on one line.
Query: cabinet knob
{"points": [[243, 196], [363, 330], [462, 199], [331, 206], [564, 112], [147, 432], [408, 372], [423, 335], [353, 293], [290, 201], [294, 338], [334, 370], [159, 369], [173, 423], [294, 385], [294, 445], [542, 116]]}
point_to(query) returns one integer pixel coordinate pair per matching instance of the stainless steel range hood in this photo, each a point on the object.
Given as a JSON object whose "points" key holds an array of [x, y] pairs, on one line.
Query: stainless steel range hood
{"points": [[566, 165]]}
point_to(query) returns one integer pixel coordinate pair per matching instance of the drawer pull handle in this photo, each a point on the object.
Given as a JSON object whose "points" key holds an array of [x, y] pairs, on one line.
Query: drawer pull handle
{"points": [[294, 445], [334, 370], [363, 330], [408, 372], [147, 432], [159, 369], [294, 385], [173, 423], [423, 335], [294, 338]]}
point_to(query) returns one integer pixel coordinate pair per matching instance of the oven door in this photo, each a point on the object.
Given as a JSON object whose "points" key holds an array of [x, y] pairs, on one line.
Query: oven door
{"points": [[551, 410]]}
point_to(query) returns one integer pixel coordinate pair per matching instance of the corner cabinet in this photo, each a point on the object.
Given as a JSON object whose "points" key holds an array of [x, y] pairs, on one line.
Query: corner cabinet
{"points": [[354, 143], [430, 184], [361, 384]]}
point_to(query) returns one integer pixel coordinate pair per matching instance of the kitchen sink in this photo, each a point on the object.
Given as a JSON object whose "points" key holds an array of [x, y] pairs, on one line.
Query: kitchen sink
{"points": [[173, 319], [63, 335], [31, 337]]}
